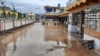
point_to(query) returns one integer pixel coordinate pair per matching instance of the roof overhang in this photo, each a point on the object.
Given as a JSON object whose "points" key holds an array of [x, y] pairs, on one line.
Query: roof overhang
{"points": [[51, 15], [64, 14], [80, 5]]}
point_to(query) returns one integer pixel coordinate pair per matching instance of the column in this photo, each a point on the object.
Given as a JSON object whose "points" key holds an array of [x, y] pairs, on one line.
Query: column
{"points": [[69, 30], [81, 24], [13, 23], [71, 26]]}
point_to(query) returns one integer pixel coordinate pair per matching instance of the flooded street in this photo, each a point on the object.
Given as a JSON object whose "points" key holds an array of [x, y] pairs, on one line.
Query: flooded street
{"points": [[31, 41], [41, 40], [50, 28]]}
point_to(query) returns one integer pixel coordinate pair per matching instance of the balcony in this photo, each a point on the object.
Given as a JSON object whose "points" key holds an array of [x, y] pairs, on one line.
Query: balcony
{"points": [[51, 12], [93, 24]]}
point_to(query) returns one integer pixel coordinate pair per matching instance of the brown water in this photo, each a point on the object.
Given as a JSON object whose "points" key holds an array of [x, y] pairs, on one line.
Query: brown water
{"points": [[30, 41], [39, 40]]}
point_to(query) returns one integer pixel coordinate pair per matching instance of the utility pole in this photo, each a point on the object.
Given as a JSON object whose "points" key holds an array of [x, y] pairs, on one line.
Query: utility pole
{"points": [[14, 10]]}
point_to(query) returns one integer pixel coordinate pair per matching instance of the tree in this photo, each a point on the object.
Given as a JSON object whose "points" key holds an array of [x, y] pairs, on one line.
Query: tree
{"points": [[24, 15], [9, 15], [19, 15], [13, 15], [3, 9], [14, 12]]}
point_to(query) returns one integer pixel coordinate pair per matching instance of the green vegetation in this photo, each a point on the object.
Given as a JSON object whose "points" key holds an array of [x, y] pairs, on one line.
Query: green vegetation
{"points": [[21, 15], [3, 8]]}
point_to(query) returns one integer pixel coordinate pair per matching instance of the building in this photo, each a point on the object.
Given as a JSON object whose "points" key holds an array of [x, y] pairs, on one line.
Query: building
{"points": [[86, 21], [92, 12], [31, 16], [89, 14], [87, 18], [52, 12], [8, 12]]}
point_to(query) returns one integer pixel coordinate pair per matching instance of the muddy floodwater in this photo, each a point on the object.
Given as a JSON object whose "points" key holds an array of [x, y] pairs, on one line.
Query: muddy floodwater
{"points": [[33, 40], [41, 40]]}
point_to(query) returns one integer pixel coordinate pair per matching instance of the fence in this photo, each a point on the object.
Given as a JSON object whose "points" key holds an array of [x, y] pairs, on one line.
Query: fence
{"points": [[6, 24], [92, 24]]}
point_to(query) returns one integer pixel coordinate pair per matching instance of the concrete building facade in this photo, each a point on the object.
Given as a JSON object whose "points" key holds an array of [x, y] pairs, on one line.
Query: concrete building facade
{"points": [[9, 13]]}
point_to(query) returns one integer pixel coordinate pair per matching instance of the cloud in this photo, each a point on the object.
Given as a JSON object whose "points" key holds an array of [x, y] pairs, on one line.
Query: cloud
{"points": [[36, 6]]}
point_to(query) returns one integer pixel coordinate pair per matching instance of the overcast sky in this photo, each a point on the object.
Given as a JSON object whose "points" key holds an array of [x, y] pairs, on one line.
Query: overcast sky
{"points": [[35, 6]]}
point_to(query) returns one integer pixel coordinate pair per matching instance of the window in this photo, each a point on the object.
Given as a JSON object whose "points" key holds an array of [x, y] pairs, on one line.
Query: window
{"points": [[54, 9]]}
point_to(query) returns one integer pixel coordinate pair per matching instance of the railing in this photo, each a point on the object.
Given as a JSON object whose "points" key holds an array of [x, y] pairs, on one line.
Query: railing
{"points": [[6, 24], [51, 12], [92, 24]]}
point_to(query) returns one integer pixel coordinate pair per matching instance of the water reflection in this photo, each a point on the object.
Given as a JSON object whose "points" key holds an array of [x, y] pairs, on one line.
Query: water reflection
{"points": [[56, 33], [39, 40], [14, 41], [35, 40], [6, 39], [72, 47], [2, 47]]}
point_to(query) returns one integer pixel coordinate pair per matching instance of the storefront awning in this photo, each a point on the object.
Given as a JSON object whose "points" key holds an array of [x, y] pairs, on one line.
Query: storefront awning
{"points": [[79, 5]]}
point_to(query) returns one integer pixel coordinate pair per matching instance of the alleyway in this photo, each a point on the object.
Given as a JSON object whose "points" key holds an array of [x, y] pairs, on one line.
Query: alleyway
{"points": [[39, 40]]}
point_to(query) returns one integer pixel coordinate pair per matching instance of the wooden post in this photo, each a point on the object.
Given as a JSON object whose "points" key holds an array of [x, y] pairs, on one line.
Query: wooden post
{"points": [[96, 21], [81, 24]]}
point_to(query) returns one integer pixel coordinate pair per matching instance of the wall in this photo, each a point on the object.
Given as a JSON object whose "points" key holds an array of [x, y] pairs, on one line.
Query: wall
{"points": [[71, 27], [97, 41], [52, 11], [10, 24]]}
